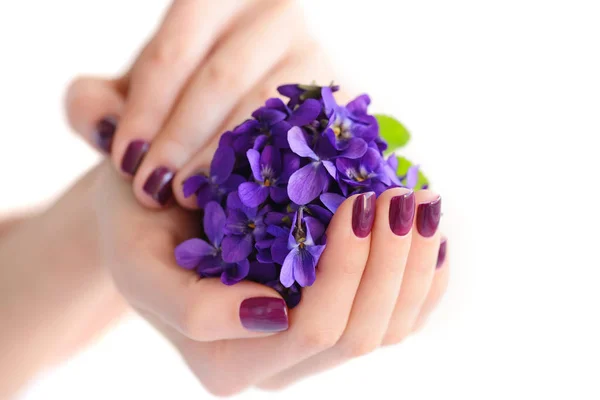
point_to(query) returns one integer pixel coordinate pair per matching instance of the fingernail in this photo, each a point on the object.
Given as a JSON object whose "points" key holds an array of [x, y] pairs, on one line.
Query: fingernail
{"points": [[264, 314], [402, 213], [158, 185], [133, 156], [105, 131], [441, 253], [428, 217], [363, 214]]}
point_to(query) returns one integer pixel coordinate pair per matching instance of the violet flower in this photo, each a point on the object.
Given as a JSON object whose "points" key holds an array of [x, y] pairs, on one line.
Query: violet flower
{"points": [[218, 183], [307, 183], [299, 254], [364, 174], [271, 172], [349, 125], [206, 258]]}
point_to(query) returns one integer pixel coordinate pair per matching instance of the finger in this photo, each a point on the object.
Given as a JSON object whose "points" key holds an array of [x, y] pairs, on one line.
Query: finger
{"points": [[315, 325], [420, 267], [377, 294], [213, 92], [305, 64], [145, 272], [183, 39], [94, 106], [438, 286]]}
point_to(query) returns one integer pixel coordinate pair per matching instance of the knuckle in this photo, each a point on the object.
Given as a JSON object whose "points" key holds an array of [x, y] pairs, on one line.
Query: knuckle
{"points": [[358, 348], [220, 73], [165, 53], [319, 340], [397, 336]]}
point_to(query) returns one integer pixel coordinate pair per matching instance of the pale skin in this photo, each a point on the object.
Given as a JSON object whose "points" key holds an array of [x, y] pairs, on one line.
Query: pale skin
{"points": [[369, 291]]}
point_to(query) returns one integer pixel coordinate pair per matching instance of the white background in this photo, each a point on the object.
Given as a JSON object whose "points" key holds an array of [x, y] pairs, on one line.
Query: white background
{"points": [[503, 100]]}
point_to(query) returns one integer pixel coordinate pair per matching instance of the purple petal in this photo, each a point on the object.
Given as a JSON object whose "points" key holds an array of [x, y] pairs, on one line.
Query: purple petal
{"points": [[269, 116], [278, 231], [372, 160], [298, 143], [236, 248], [270, 157], [287, 269], [316, 252], [347, 167], [412, 176], [304, 265], [277, 104], [328, 100], [189, 253], [192, 184], [359, 105], [252, 194], [356, 148], [204, 195], [307, 183], [314, 230], [291, 163], [237, 222], [214, 223], [330, 167], [222, 164], [235, 273], [332, 201], [264, 256], [260, 142], [232, 183], [279, 134], [211, 266], [367, 130], [280, 250], [320, 213], [254, 159], [305, 113], [290, 90], [275, 218]]}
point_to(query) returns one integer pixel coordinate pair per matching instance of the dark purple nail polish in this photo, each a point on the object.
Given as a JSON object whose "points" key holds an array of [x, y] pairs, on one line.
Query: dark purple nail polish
{"points": [[441, 253], [158, 185], [264, 314], [363, 214], [402, 213], [428, 217], [105, 131], [134, 155]]}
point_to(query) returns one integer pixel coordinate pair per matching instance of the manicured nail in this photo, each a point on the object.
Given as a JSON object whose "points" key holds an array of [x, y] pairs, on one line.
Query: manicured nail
{"points": [[402, 213], [441, 253], [264, 314], [158, 185], [105, 131], [134, 155], [363, 214], [428, 217]]}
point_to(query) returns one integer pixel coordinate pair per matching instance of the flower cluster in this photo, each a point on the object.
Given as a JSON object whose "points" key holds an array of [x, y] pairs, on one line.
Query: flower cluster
{"points": [[275, 182]]}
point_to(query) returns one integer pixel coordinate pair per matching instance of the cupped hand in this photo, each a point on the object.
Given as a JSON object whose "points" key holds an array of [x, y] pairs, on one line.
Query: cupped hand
{"points": [[207, 67], [377, 281]]}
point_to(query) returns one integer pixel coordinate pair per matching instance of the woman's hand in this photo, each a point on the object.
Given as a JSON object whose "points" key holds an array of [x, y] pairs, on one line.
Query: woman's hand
{"points": [[203, 72], [374, 286]]}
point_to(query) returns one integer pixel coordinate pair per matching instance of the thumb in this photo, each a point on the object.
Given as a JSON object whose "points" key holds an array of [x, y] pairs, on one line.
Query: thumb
{"points": [[93, 107]]}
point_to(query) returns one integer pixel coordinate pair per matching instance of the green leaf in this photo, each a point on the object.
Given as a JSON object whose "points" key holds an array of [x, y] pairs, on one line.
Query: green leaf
{"points": [[392, 131], [403, 165]]}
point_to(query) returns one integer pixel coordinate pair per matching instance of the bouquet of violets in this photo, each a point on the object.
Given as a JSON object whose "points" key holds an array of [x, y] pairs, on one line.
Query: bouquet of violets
{"points": [[277, 179]]}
